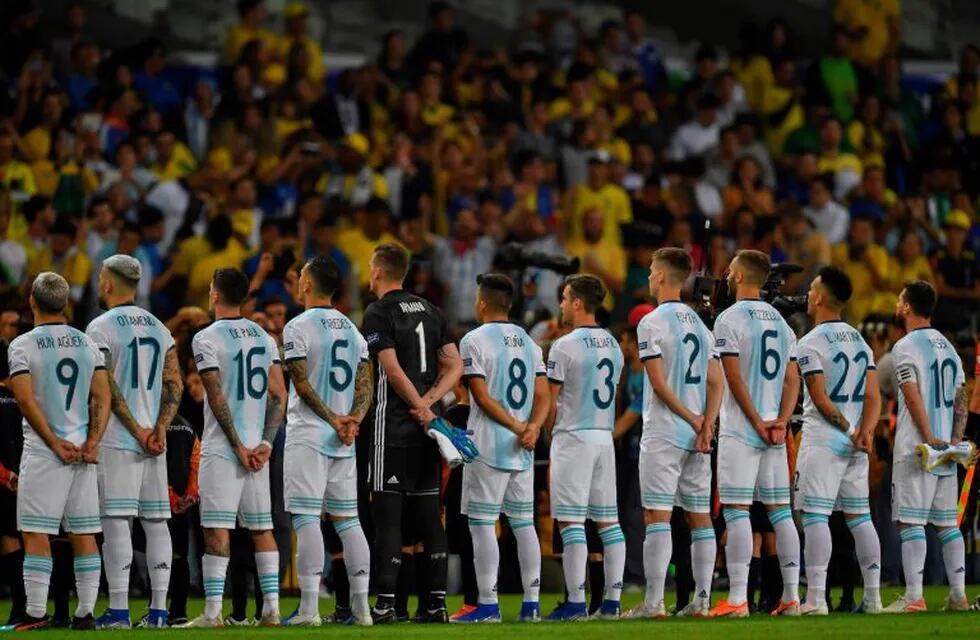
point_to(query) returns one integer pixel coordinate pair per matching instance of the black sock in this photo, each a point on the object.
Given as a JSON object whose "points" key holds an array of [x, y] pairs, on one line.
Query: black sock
{"points": [[772, 580], [597, 584], [13, 569], [62, 578], [755, 566], [341, 585], [238, 579], [257, 592], [406, 583], [180, 581], [423, 580]]}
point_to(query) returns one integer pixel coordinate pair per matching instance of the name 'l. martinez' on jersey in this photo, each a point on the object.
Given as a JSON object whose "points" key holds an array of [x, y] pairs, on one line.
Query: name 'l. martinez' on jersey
{"points": [[505, 356], [333, 348], [136, 343], [925, 357], [242, 353], [676, 334], [755, 332], [587, 362], [61, 361], [837, 350]]}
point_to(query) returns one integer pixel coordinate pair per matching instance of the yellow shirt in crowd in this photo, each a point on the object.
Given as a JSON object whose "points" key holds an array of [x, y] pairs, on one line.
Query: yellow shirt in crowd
{"points": [[611, 200]]}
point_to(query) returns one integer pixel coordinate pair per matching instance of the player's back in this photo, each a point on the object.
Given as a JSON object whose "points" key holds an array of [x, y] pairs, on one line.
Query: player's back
{"points": [[242, 353], [837, 350], [505, 356], [137, 343], [61, 361], [587, 362], [924, 356], [755, 332], [674, 333], [333, 348]]}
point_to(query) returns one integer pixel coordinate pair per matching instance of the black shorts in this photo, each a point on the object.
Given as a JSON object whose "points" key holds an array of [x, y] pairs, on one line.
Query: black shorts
{"points": [[8, 514], [410, 471]]}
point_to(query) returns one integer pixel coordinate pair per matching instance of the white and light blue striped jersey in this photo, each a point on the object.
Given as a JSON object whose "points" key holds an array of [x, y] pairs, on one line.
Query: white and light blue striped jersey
{"points": [[587, 362], [674, 333], [61, 361], [755, 332], [836, 350], [925, 357], [505, 356], [242, 353], [333, 348], [136, 343]]}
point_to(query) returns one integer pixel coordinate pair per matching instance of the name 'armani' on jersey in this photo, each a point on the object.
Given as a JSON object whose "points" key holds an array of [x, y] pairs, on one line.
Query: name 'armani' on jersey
{"points": [[676, 334], [587, 362], [925, 357], [241, 352], [755, 332], [838, 351], [505, 356], [61, 361], [333, 348], [136, 343]]}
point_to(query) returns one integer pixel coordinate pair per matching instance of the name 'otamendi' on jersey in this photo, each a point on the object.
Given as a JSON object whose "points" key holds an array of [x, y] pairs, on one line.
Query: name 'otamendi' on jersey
{"points": [[508, 359]]}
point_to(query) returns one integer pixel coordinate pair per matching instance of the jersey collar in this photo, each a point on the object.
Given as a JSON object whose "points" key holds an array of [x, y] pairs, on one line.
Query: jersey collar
{"points": [[52, 324]]}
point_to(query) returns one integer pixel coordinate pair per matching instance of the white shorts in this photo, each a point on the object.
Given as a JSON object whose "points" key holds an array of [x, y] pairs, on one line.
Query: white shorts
{"points": [[314, 483], [672, 476], [52, 494], [583, 480], [747, 474], [231, 493], [919, 497], [487, 491], [133, 484], [826, 482]]}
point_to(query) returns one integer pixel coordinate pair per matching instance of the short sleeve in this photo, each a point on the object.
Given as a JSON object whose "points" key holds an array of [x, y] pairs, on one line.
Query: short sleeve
{"points": [[205, 355], [960, 374], [377, 330], [710, 339], [95, 332], [905, 369], [98, 355], [472, 365], [293, 343], [792, 345], [809, 359], [362, 347], [274, 349], [18, 359], [168, 339], [726, 338], [557, 363], [445, 335], [539, 368], [648, 339]]}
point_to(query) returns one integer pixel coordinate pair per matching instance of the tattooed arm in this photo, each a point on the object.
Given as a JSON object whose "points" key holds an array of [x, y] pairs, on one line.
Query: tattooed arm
{"points": [[275, 407], [222, 414], [173, 388], [816, 383], [961, 412], [306, 392], [121, 410], [363, 388], [100, 399]]}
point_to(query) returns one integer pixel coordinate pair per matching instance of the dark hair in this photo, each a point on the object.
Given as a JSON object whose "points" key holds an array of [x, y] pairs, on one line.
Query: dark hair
{"points": [[393, 260], [587, 288], [677, 261], [34, 206], [244, 6], [837, 283], [921, 296], [149, 216], [497, 290], [130, 227], [96, 201], [826, 179], [325, 274], [437, 7], [218, 232], [231, 285], [756, 265], [63, 226]]}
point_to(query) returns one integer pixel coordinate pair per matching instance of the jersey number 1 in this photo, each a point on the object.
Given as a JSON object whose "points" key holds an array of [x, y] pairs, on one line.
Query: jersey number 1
{"points": [[423, 365]]}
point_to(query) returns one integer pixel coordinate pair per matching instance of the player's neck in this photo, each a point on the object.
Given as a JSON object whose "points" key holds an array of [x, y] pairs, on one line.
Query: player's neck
{"points": [[112, 303], [913, 322], [585, 320], [747, 293], [318, 302], [226, 313], [495, 317], [668, 295], [822, 315], [384, 288], [46, 318]]}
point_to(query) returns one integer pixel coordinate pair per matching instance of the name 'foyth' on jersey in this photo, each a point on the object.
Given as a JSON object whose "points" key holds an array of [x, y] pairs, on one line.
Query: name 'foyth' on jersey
{"points": [[333, 348], [765, 345], [136, 343], [836, 350], [674, 333], [505, 356], [242, 353], [417, 330], [61, 361]]}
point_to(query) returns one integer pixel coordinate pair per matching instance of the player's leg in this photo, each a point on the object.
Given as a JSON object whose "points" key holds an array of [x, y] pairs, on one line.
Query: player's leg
{"points": [[256, 514], [82, 515], [341, 503], [853, 496], [519, 508], [912, 490], [604, 511], [154, 512], [304, 488], [12, 562], [386, 511], [482, 498], [424, 498], [694, 489], [775, 494], [943, 517], [37, 574], [571, 476], [818, 477], [738, 468], [119, 482], [180, 576]]}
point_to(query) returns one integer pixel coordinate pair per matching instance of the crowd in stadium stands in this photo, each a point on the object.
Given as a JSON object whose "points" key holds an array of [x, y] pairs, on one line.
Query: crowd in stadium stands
{"points": [[568, 141]]}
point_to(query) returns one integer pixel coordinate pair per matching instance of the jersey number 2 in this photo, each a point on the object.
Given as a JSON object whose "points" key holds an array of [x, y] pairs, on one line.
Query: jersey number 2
{"points": [[860, 359]]}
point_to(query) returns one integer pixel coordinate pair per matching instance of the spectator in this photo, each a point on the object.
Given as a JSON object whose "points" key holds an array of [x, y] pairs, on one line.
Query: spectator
{"points": [[295, 35], [956, 269], [76, 17], [457, 261], [39, 216], [599, 193], [700, 134], [802, 245], [16, 177], [222, 251], [910, 262], [85, 59], [645, 54], [369, 228], [835, 75], [601, 258], [866, 264], [873, 29], [252, 15], [827, 216], [357, 182], [150, 79], [833, 157], [13, 257], [746, 189], [63, 257], [444, 43]]}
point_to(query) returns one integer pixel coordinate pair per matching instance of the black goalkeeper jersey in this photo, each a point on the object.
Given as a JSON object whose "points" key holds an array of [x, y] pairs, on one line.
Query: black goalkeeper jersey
{"points": [[416, 329]]}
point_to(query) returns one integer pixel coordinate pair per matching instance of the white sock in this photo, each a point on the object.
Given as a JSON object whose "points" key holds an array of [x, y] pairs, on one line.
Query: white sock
{"points": [[159, 558], [573, 560], [357, 558], [37, 578], [310, 557], [954, 557], [817, 553], [788, 550], [614, 560], [868, 550], [214, 569], [88, 570], [738, 551], [117, 548], [267, 566], [703, 552], [529, 557], [913, 560], [486, 559], [657, 547]]}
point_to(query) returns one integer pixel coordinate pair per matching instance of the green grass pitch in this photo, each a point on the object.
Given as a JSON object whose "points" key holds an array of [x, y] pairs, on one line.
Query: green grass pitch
{"points": [[932, 624]]}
